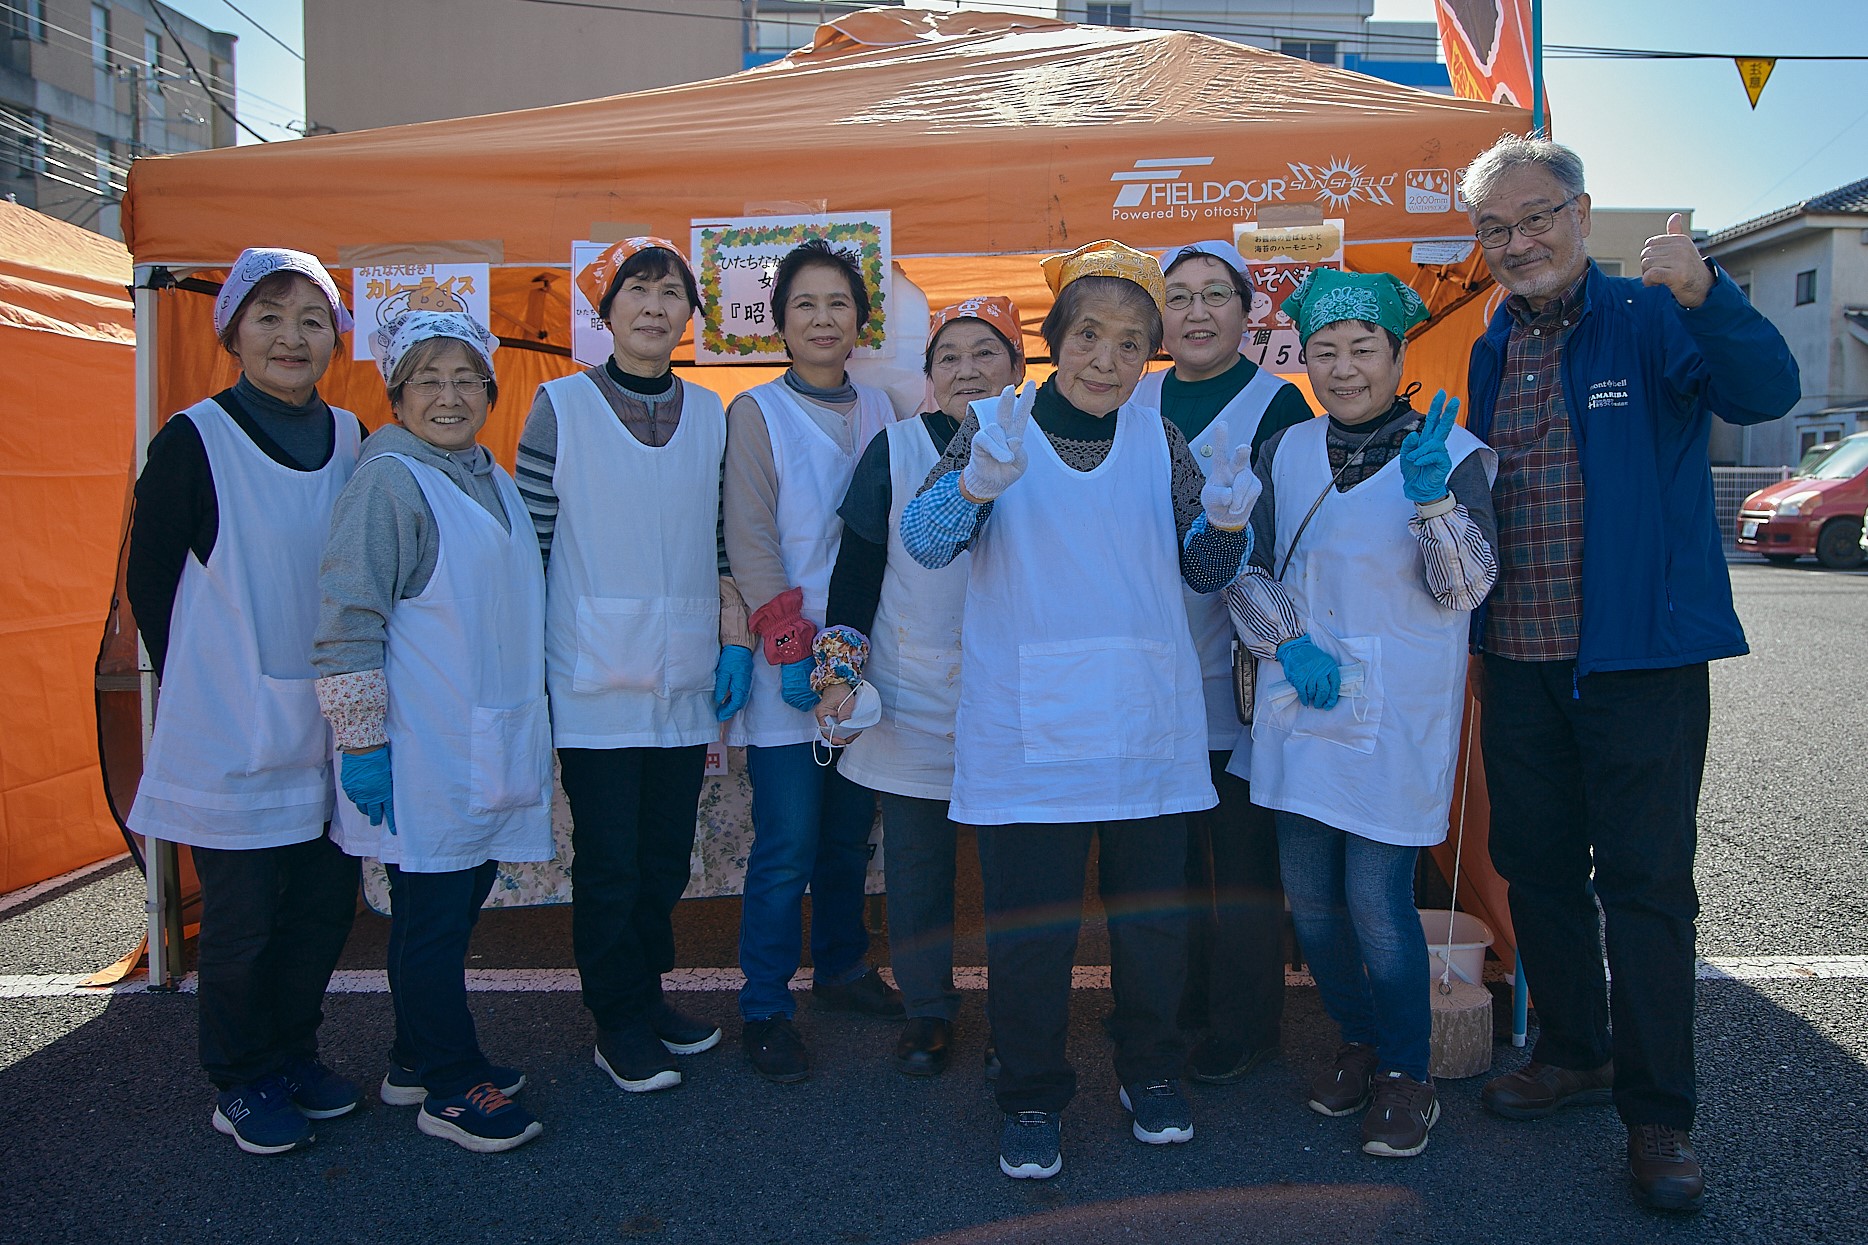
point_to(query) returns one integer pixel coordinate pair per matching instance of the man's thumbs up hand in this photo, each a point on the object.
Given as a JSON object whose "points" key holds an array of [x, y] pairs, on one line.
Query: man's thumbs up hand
{"points": [[1671, 259]]}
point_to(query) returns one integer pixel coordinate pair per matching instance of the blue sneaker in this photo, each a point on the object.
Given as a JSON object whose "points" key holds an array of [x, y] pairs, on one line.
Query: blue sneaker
{"points": [[482, 1120], [1029, 1145], [318, 1092], [260, 1117], [401, 1086], [1162, 1116]]}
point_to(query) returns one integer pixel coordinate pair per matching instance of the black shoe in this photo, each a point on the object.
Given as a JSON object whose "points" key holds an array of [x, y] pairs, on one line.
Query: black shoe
{"points": [[993, 1066], [636, 1059], [925, 1046], [776, 1050], [681, 1033], [1665, 1172], [868, 995], [1218, 1062]]}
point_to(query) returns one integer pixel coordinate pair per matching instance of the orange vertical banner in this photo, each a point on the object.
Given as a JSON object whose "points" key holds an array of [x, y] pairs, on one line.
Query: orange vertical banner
{"points": [[1488, 49]]}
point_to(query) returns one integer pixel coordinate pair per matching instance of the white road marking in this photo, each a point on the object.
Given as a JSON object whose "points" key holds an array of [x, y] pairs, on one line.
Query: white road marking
{"points": [[717, 980], [25, 894]]}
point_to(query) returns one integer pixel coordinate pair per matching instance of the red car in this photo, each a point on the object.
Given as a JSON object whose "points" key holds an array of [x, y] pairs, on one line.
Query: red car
{"points": [[1820, 513]]}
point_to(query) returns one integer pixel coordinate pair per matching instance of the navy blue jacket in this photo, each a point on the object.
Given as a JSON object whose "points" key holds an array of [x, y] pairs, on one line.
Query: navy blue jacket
{"points": [[1642, 378]]}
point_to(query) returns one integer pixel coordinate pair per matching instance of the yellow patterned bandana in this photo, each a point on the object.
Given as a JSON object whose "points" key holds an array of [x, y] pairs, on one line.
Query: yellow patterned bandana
{"points": [[1108, 258]]}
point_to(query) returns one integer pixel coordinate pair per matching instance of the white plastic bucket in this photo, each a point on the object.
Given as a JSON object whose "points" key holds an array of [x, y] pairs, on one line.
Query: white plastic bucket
{"points": [[1471, 937]]}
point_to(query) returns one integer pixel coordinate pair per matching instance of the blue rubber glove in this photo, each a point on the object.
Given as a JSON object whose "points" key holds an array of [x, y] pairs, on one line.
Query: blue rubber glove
{"points": [[1313, 672], [732, 680], [365, 778], [796, 688], [1425, 463]]}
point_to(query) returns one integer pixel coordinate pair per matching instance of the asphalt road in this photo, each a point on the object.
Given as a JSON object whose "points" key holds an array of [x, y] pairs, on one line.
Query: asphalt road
{"points": [[104, 1137]]}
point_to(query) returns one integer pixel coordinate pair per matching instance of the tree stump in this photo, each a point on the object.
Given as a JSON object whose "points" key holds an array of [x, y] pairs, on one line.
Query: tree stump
{"points": [[1462, 1030]]}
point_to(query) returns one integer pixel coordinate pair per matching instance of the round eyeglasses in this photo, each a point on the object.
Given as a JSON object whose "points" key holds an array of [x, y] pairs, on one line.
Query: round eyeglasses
{"points": [[1494, 236], [471, 388], [1213, 296]]}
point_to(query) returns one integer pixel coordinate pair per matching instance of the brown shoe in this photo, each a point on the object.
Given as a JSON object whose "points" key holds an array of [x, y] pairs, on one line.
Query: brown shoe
{"points": [[1342, 1088], [1665, 1172], [1398, 1121], [1540, 1089]]}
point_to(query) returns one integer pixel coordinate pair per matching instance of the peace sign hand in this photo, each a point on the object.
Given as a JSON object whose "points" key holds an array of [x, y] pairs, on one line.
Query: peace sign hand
{"points": [[1671, 259], [1425, 462], [998, 458], [1232, 487]]}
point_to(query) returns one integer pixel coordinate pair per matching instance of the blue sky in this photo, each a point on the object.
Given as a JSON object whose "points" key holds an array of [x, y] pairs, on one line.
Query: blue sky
{"points": [[1676, 134]]}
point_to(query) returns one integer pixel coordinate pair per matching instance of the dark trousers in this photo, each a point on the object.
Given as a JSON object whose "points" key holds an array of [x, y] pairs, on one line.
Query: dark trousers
{"points": [[1604, 773], [1033, 883], [632, 834], [273, 922], [918, 856], [431, 922], [1235, 945]]}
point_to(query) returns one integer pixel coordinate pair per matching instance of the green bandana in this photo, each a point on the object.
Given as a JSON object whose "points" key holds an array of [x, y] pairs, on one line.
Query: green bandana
{"points": [[1327, 296]]}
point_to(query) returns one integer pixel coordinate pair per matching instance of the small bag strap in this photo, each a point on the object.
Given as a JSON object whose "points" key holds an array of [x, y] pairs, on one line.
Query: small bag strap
{"points": [[1354, 457]]}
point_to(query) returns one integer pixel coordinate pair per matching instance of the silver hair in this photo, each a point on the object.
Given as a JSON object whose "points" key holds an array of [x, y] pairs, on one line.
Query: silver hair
{"points": [[1513, 151]]}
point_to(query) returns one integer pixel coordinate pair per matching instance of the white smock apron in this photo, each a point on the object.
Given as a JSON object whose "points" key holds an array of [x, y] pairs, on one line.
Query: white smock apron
{"points": [[914, 648], [1207, 618], [813, 476], [1079, 686], [1380, 763], [241, 755], [632, 600], [469, 731]]}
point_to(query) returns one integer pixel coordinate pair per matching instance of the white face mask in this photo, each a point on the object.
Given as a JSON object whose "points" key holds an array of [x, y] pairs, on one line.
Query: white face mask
{"points": [[861, 711]]}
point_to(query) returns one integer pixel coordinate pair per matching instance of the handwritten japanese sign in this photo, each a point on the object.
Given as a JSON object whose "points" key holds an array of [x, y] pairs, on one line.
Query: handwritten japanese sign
{"points": [[1278, 260], [734, 263], [380, 293]]}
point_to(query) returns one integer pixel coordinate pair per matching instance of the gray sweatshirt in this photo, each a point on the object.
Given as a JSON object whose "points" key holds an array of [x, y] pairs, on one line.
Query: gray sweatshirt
{"points": [[383, 544]]}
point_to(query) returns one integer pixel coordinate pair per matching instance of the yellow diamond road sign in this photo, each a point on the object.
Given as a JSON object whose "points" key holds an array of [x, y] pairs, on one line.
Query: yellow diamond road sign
{"points": [[1756, 71]]}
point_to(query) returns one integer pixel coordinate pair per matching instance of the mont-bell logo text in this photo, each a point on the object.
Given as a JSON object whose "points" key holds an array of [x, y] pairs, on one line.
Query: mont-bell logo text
{"points": [[1182, 188]]}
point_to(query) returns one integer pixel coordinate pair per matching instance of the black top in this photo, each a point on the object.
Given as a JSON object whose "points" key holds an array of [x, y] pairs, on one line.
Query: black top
{"points": [[639, 384], [176, 512], [863, 554]]}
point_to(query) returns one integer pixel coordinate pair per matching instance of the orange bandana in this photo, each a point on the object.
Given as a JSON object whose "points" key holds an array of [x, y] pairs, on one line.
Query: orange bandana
{"points": [[994, 309], [594, 280], [1108, 258]]}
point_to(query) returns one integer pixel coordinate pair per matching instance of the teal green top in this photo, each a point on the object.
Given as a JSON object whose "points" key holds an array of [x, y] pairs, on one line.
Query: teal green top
{"points": [[1192, 405]]}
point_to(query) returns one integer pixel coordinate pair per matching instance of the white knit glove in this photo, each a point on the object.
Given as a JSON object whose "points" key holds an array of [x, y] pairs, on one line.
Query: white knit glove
{"points": [[1232, 486], [998, 456]]}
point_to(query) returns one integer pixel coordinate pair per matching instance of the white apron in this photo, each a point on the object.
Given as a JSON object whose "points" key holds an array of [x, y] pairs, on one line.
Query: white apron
{"points": [[241, 755], [1079, 686], [1206, 612], [1380, 763], [813, 476], [469, 732], [632, 613], [914, 648]]}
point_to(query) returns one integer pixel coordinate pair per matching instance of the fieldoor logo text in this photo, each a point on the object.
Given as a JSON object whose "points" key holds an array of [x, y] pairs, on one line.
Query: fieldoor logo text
{"points": [[1160, 189], [1339, 183]]}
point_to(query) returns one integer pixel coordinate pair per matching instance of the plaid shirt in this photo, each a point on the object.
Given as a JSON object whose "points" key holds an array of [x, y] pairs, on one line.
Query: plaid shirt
{"points": [[1535, 610]]}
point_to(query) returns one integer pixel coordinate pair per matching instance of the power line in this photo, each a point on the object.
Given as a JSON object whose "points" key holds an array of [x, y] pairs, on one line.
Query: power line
{"points": [[189, 61], [255, 25]]}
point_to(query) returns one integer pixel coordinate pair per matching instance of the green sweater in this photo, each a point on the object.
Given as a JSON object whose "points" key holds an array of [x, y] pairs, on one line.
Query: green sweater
{"points": [[1191, 405]]}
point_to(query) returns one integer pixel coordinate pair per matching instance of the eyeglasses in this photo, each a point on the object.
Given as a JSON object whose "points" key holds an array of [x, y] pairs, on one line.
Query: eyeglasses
{"points": [[472, 388], [1213, 296], [1494, 236]]}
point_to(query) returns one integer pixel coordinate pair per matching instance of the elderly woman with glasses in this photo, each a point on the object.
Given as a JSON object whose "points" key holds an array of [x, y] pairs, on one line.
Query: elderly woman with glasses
{"points": [[431, 648], [1080, 714]]}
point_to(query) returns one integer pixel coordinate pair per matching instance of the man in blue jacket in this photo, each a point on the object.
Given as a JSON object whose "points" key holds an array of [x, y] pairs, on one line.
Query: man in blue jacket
{"points": [[1598, 393]]}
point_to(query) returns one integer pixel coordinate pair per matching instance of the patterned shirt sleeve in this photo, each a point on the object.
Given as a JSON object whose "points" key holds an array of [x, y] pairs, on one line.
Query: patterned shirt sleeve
{"points": [[357, 706], [1209, 557], [534, 468], [1458, 544], [940, 522]]}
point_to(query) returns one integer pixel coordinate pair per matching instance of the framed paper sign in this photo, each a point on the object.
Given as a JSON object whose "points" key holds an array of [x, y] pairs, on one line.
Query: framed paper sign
{"points": [[734, 263]]}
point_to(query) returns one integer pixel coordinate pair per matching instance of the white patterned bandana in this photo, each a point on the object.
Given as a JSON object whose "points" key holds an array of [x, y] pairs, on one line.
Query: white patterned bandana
{"points": [[395, 339], [1326, 296], [256, 264]]}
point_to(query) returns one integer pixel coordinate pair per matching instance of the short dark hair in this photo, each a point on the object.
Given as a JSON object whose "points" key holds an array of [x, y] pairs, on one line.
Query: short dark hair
{"points": [[654, 262], [927, 362], [1239, 280], [817, 252], [423, 352], [271, 287], [1069, 306], [1394, 342]]}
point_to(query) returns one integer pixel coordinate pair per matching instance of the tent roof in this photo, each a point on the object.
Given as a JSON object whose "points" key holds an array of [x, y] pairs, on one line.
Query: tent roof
{"points": [[58, 278], [982, 134]]}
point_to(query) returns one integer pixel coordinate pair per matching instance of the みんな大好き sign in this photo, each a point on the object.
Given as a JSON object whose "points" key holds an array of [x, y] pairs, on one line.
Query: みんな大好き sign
{"points": [[381, 292]]}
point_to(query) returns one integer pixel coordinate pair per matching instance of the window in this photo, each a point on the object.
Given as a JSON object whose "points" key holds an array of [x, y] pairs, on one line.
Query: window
{"points": [[25, 19], [1610, 267], [103, 85], [22, 142], [152, 81], [1109, 14], [1806, 287], [1317, 52]]}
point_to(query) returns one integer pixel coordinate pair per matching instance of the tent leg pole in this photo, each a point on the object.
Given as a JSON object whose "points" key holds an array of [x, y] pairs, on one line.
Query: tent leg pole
{"points": [[165, 943], [1520, 1005]]}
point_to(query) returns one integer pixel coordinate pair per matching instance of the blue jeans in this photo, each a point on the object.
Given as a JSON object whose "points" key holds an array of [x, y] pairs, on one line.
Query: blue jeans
{"points": [[810, 825], [1352, 900]]}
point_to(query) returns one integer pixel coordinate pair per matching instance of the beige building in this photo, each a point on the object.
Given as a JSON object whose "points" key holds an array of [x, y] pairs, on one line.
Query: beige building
{"points": [[1616, 236], [88, 85]]}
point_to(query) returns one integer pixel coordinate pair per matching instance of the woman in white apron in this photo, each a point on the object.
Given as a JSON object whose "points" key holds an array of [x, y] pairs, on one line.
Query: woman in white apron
{"points": [[1374, 542], [1235, 948], [1080, 713], [792, 446], [431, 652], [646, 649], [911, 616], [231, 511]]}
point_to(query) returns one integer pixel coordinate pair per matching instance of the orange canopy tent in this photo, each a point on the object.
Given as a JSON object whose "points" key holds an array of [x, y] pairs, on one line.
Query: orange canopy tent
{"points": [[65, 454], [990, 137]]}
